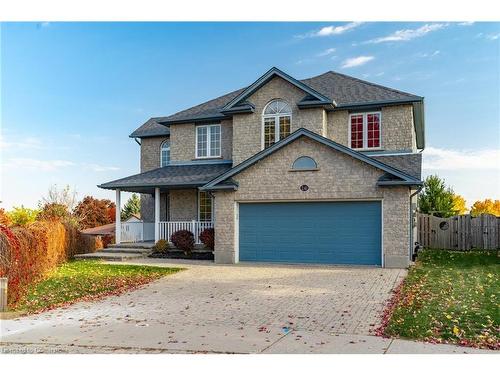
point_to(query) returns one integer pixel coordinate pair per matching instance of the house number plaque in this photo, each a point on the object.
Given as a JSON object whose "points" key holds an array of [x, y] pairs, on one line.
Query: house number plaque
{"points": [[304, 187]]}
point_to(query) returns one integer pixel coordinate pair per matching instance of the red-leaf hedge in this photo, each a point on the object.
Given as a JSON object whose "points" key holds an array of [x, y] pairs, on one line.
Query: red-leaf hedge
{"points": [[28, 253], [207, 236]]}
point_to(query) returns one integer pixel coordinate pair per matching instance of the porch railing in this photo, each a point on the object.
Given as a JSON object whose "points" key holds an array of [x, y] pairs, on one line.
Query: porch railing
{"points": [[167, 228]]}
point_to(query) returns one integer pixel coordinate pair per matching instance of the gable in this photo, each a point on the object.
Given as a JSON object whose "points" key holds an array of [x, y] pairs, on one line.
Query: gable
{"points": [[309, 93], [398, 177]]}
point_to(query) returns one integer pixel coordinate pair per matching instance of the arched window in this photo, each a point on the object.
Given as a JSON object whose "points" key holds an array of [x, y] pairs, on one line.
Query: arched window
{"points": [[165, 153], [304, 163], [276, 121]]}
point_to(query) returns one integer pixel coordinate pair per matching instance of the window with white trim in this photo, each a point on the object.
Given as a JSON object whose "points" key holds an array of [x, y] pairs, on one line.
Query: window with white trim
{"points": [[205, 204], [165, 153], [276, 122], [208, 141], [364, 130]]}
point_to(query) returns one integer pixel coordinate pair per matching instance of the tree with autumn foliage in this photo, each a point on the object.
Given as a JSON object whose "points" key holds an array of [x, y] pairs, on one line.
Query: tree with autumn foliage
{"points": [[459, 205], [92, 212], [488, 206]]}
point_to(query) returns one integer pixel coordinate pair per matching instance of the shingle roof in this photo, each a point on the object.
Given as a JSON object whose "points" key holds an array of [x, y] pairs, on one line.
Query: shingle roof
{"points": [[409, 163], [151, 128], [171, 176], [342, 89]]}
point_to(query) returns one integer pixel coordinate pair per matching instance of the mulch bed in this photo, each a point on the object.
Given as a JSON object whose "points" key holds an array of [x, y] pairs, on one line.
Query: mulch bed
{"points": [[195, 255]]}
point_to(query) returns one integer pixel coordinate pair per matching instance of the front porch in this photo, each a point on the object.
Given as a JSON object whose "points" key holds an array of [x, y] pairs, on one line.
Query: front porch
{"points": [[152, 232], [170, 201]]}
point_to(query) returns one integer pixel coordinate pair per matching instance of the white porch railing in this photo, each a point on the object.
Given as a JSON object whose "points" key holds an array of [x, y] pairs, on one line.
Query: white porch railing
{"points": [[167, 228], [137, 232]]}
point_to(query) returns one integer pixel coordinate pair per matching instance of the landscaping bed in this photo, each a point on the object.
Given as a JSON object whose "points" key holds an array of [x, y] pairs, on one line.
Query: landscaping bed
{"points": [[448, 297], [195, 255], [86, 280]]}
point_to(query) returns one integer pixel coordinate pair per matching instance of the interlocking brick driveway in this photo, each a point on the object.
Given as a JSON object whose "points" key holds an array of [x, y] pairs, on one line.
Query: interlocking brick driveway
{"points": [[219, 303]]}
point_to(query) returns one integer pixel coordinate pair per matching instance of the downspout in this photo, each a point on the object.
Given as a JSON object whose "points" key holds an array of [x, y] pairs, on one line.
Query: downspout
{"points": [[411, 221]]}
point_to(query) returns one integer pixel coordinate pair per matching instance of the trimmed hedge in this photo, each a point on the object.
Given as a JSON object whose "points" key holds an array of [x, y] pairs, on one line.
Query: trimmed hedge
{"points": [[29, 253], [207, 236], [183, 240]]}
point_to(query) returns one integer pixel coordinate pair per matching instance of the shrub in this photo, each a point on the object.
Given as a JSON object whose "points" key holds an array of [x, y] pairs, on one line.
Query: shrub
{"points": [[161, 246], [53, 211], [28, 253], [183, 240], [22, 216], [4, 218], [207, 236], [107, 239]]}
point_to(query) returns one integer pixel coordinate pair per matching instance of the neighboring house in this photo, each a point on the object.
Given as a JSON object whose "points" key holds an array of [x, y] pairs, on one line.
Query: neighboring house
{"points": [[320, 170]]}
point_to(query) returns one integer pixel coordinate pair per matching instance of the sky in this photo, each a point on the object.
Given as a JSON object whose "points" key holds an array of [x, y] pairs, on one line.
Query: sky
{"points": [[71, 93]]}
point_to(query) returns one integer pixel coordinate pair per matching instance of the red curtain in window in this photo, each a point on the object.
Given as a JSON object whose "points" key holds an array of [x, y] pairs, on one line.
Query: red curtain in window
{"points": [[373, 130], [357, 131]]}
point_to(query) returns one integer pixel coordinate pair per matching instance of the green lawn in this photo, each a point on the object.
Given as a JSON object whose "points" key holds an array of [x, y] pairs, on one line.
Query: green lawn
{"points": [[87, 280], [449, 296]]}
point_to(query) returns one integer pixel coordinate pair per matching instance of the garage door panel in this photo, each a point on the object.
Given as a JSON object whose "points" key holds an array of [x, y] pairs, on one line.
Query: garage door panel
{"points": [[311, 232]]}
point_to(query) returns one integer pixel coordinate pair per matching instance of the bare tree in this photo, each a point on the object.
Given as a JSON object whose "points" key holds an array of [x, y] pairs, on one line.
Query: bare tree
{"points": [[65, 197]]}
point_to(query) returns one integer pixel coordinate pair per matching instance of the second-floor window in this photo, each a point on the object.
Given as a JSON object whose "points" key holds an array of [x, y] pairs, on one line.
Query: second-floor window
{"points": [[208, 141], [364, 129], [277, 118], [165, 153]]}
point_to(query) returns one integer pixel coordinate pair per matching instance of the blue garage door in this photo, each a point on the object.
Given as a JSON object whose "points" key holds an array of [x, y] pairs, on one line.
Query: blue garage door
{"points": [[311, 232]]}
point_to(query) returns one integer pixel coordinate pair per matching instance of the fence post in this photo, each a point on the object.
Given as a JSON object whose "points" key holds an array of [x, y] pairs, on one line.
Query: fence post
{"points": [[3, 294]]}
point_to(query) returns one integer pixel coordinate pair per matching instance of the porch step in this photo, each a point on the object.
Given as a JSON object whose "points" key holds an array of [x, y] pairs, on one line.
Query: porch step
{"points": [[110, 256], [133, 245], [126, 250]]}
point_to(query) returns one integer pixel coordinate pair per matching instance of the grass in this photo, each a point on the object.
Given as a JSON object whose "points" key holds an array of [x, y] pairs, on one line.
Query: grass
{"points": [[451, 297], [87, 280]]}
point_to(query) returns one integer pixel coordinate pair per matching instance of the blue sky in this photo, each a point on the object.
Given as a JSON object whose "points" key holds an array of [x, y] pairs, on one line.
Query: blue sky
{"points": [[71, 93]]}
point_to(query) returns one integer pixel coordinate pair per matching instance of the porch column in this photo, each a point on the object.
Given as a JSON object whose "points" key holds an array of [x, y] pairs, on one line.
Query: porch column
{"points": [[118, 220], [157, 214]]}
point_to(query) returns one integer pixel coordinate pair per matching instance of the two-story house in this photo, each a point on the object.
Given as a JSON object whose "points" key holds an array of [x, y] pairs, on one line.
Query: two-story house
{"points": [[319, 170]]}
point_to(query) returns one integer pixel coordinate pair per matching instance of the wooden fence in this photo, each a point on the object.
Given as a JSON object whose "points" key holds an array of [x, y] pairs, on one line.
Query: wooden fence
{"points": [[461, 232]]}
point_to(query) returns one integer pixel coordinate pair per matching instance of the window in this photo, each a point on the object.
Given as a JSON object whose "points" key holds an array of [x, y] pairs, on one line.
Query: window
{"points": [[208, 141], [277, 119], [204, 206], [165, 153], [364, 130], [304, 163]]}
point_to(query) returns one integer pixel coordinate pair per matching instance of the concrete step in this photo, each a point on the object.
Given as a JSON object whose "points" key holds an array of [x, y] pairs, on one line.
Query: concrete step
{"points": [[110, 256], [115, 250], [133, 245]]}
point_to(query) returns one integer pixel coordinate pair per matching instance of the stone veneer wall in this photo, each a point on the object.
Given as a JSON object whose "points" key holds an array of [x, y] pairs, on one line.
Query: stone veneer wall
{"points": [[247, 128], [183, 146], [183, 204], [339, 177], [398, 131]]}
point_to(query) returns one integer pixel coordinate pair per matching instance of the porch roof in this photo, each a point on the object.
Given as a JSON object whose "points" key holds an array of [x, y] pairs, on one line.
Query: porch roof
{"points": [[169, 177]]}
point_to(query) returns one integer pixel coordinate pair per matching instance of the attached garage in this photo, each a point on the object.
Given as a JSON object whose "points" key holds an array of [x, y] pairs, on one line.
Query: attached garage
{"points": [[311, 232]]}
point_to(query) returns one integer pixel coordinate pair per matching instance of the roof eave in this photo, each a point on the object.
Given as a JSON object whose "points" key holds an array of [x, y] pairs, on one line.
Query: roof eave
{"points": [[399, 183], [193, 119]]}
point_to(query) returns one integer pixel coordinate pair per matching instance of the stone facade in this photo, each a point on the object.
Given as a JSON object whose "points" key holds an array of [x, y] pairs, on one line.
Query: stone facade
{"points": [[183, 204], [183, 146], [340, 177], [398, 132], [247, 128]]}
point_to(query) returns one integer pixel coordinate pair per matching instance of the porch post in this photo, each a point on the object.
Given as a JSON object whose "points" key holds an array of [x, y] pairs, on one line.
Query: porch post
{"points": [[118, 221], [157, 214]]}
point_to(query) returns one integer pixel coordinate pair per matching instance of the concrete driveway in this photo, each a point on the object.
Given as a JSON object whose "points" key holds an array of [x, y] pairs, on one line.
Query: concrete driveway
{"points": [[222, 309]]}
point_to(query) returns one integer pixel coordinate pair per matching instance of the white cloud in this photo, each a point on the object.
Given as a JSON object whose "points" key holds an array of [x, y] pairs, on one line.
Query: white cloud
{"points": [[356, 61], [36, 164], [429, 54], [446, 159], [467, 23], [24, 144], [493, 36], [331, 30], [327, 52], [409, 34], [99, 168]]}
